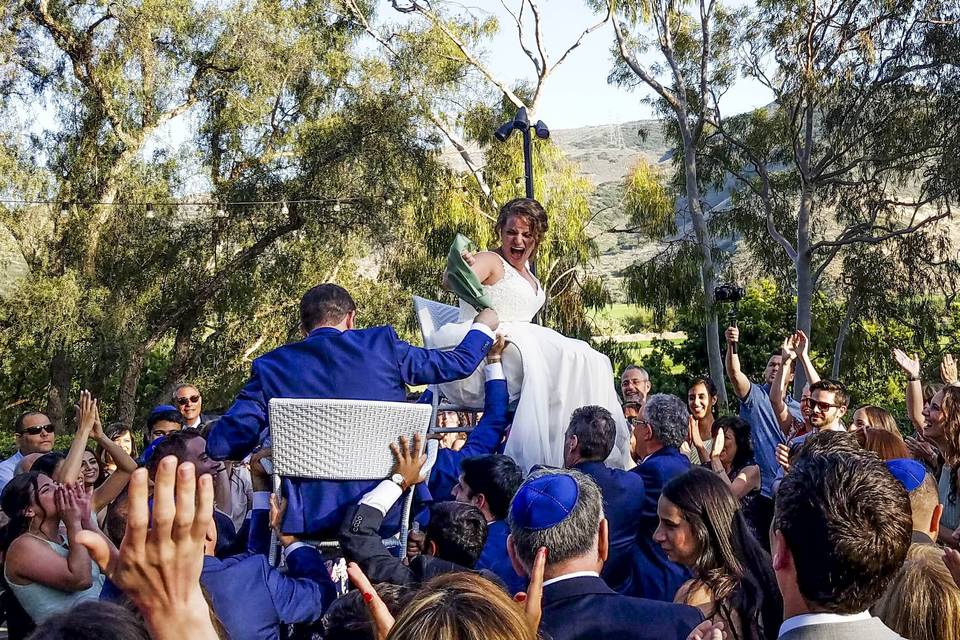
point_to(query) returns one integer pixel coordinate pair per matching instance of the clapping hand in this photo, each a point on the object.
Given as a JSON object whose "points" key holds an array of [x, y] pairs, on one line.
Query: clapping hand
{"points": [[65, 497], [910, 364], [783, 457], [951, 558], [948, 369], [533, 596], [693, 433], [159, 566], [923, 451], [87, 414], [788, 350], [708, 630], [717, 444]]}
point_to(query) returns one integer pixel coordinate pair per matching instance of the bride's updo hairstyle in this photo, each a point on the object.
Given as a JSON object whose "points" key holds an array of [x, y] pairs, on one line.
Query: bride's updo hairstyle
{"points": [[528, 209]]}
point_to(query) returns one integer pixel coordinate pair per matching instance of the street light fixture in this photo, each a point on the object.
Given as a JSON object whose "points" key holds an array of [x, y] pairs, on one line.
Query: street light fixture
{"points": [[521, 123]]}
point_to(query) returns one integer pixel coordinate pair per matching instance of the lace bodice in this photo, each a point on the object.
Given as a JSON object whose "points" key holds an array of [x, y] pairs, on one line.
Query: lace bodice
{"points": [[512, 297]]}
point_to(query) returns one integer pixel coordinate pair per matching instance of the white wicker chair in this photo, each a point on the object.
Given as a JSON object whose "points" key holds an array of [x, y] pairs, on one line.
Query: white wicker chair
{"points": [[342, 440]]}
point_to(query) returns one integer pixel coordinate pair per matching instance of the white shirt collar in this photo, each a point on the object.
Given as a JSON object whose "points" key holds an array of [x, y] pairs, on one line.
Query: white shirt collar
{"points": [[808, 619], [195, 424], [568, 576]]}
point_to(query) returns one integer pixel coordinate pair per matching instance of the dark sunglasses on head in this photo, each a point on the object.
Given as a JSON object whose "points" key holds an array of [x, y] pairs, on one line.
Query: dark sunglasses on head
{"points": [[37, 430], [185, 400]]}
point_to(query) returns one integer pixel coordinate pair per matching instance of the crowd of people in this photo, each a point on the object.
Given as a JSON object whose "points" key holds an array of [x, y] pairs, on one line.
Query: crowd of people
{"points": [[798, 520]]}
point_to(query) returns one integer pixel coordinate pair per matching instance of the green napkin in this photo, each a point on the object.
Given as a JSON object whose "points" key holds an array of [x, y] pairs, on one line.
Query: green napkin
{"points": [[460, 277]]}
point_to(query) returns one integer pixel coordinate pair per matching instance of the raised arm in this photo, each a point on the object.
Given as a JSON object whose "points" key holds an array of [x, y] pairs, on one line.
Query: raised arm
{"points": [[911, 366], [237, 432], [740, 382], [802, 347], [86, 416], [778, 389], [118, 480], [431, 366]]}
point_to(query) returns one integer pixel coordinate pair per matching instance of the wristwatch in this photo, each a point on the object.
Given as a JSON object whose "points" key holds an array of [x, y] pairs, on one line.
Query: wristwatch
{"points": [[397, 479]]}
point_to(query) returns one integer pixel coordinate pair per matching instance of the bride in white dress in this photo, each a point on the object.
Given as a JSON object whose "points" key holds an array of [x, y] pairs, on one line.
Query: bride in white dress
{"points": [[549, 375]]}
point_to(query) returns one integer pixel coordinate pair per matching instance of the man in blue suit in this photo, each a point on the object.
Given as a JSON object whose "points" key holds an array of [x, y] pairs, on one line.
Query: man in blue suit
{"points": [[485, 438], [252, 599], [335, 360], [489, 483], [589, 440], [657, 436], [562, 511]]}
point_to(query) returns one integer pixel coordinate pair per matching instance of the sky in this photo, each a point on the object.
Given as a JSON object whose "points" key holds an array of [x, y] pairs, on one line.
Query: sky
{"points": [[578, 94]]}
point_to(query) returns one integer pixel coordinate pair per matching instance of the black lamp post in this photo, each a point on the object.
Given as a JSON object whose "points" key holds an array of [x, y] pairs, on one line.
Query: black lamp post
{"points": [[521, 123]]}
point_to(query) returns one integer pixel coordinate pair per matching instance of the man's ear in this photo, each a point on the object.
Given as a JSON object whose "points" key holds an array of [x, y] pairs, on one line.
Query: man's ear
{"points": [[303, 331], [481, 501], [430, 547], [603, 541], [842, 412], [935, 521], [349, 320], [647, 432], [514, 560], [781, 556]]}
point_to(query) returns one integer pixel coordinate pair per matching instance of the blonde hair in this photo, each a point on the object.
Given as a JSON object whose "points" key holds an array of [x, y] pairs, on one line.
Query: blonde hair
{"points": [[880, 418], [922, 601], [461, 606]]}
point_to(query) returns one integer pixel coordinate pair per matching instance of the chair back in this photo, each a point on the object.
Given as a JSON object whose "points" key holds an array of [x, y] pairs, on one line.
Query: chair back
{"points": [[432, 315], [341, 439]]}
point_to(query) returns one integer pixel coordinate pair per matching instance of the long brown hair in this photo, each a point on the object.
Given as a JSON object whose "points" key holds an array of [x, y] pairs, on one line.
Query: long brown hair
{"points": [[461, 606], [883, 443]]}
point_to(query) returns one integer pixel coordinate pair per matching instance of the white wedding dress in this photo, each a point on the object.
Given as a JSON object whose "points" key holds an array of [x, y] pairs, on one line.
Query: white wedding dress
{"points": [[549, 376]]}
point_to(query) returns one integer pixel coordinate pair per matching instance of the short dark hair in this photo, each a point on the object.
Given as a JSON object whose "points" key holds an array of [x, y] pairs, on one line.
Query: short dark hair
{"points": [[596, 432], [822, 442], [348, 617], [707, 383], [172, 444], [497, 477], [164, 416], [459, 530], [847, 523], [528, 209], [94, 620], [47, 463], [325, 305], [840, 395], [18, 423]]}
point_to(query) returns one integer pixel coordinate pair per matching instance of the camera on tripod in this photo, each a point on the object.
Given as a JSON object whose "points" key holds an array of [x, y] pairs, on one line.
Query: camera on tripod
{"points": [[729, 293]]}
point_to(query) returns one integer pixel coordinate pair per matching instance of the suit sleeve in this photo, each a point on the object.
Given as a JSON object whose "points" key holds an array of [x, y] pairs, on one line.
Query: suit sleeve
{"points": [[360, 542], [484, 439], [304, 593], [258, 536], [432, 366], [237, 433]]}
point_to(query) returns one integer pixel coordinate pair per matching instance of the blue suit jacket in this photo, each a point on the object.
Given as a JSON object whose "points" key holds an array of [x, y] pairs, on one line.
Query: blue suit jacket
{"points": [[485, 438], [585, 608], [252, 599], [494, 557], [655, 577], [623, 501], [365, 364]]}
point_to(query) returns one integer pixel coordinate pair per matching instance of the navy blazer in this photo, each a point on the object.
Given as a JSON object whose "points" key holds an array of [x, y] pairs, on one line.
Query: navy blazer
{"points": [[655, 577], [495, 559], [623, 501], [361, 543], [365, 364], [252, 599], [585, 608], [485, 438]]}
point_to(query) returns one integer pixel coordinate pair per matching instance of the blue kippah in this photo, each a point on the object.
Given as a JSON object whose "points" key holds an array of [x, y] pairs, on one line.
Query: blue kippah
{"points": [[162, 408], [545, 501], [909, 472]]}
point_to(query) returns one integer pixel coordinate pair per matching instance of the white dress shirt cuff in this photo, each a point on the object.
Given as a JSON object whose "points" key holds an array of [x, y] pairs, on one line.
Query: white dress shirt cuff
{"points": [[382, 496], [293, 547], [261, 499], [494, 372], [479, 326]]}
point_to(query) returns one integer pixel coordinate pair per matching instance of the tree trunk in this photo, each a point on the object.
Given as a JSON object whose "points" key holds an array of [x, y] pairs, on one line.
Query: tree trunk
{"points": [[707, 271], [58, 395], [127, 394], [182, 356], [842, 337], [805, 284]]}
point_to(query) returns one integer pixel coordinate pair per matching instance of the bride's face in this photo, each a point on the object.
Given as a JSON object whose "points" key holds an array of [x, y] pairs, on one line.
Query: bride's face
{"points": [[517, 241]]}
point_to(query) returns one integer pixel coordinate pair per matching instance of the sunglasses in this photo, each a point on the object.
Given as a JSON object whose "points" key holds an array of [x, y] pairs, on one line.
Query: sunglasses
{"points": [[35, 431], [815, 404], [185, 400], [637, 422]]}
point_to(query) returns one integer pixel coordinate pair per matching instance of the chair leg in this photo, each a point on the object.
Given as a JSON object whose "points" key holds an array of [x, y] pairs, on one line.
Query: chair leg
{"points": [[274, 557], [405, 521]]}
